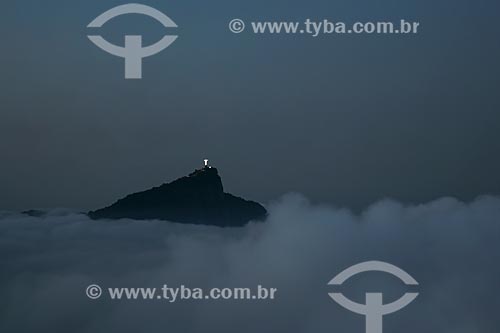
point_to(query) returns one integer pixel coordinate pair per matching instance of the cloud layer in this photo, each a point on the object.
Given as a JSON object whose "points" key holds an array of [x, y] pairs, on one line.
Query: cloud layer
{"points": [[451, 248]]}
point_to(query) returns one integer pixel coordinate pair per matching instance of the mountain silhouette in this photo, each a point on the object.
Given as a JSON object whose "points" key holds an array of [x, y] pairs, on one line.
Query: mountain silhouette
{"points": [[195, 199]]}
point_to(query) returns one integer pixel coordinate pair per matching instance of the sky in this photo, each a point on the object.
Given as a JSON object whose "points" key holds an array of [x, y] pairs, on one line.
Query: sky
{"points": [[345, 120]]}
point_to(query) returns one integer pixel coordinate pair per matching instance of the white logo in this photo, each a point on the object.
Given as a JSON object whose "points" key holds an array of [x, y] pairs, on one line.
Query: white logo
{"points": [[236, 26], [93, 291], [374, 309], [133, 52]]}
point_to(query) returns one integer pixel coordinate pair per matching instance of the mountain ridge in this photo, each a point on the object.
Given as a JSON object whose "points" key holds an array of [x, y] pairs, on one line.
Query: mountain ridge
{"points": [[198, 198]]}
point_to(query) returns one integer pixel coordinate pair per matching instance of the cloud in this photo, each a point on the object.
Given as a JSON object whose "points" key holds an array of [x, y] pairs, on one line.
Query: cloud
{"points": [[449, 247]]}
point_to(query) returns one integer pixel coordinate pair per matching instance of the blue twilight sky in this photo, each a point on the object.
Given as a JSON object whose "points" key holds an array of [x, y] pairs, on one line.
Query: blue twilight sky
{"points": [[346, 119]]}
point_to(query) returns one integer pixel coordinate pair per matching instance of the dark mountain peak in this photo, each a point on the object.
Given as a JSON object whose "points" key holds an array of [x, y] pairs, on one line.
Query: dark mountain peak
{"points": [[206, 178], [198, 198], [206, 171]]}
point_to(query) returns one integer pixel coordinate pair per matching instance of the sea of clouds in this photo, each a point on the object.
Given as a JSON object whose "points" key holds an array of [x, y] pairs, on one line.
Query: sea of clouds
{"points": [[451, 248]]}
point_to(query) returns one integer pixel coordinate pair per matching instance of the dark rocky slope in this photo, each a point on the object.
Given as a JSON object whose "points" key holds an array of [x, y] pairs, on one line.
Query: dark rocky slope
{"points": [[197, 199]]}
